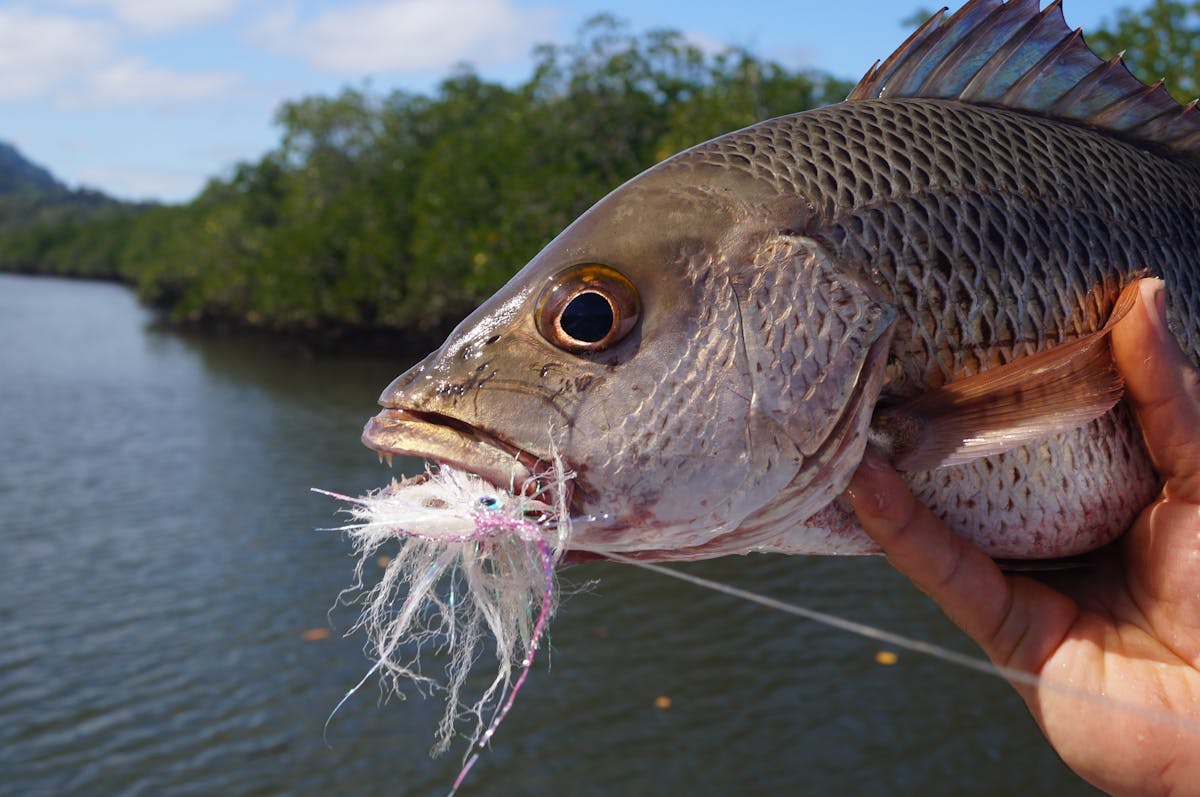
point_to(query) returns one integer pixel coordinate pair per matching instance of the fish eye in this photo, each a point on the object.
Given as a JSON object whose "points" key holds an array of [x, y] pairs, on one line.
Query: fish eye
{"points": [[588, 308]]}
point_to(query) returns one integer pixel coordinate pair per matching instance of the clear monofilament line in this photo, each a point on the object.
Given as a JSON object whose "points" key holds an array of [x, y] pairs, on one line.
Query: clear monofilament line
{"points": [[1187, 724]]}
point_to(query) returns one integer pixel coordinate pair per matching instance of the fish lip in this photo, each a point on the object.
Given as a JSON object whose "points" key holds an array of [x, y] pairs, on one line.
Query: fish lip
{"points": [[455, 443]]}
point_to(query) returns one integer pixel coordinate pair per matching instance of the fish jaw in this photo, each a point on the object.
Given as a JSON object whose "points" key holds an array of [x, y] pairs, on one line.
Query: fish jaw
{"points": [[447, 441]]}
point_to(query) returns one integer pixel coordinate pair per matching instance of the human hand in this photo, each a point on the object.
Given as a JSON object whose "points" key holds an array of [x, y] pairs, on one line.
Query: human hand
{"points": [[1129, 630]]}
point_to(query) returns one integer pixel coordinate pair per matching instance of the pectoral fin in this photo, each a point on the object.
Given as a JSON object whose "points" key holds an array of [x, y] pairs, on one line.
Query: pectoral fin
{"points": [[1008, 406]]}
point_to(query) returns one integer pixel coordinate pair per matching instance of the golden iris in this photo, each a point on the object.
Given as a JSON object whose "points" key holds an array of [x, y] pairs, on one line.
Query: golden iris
{"points": [[588, 308]]}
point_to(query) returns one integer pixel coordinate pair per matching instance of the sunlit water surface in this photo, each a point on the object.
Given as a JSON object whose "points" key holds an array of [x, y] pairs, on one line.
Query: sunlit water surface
{"points": [[161, 562]]}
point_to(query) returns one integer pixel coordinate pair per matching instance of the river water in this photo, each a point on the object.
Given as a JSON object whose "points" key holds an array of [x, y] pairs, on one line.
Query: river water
{"points": [[162, 572]]}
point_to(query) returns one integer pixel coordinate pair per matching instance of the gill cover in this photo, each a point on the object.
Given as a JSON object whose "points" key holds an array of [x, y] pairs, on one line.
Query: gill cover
{"points": [[808, 329]]}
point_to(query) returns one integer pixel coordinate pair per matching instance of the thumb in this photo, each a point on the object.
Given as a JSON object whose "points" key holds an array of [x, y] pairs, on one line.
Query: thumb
{"points": [[1163, 389]]}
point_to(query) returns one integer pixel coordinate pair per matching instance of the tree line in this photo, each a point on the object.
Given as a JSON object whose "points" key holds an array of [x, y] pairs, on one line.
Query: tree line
{"points": [[403, 211]]}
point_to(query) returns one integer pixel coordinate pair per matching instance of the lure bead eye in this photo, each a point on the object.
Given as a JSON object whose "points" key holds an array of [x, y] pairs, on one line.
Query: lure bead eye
{"points": [[489, 502], [588, 308]]}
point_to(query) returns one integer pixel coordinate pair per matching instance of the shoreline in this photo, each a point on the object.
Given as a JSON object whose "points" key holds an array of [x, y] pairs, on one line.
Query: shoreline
{"points": [[318, 337]]}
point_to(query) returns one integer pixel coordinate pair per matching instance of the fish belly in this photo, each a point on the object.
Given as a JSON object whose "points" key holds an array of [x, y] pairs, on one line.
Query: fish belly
{"points": [[1065, 495]]}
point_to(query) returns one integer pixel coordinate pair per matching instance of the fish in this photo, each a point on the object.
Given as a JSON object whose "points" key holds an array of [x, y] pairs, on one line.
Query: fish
{"points": [[927, 269]]}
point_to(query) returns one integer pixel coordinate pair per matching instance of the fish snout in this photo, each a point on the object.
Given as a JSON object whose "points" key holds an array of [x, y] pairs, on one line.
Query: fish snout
{"points": [[396, 394]]}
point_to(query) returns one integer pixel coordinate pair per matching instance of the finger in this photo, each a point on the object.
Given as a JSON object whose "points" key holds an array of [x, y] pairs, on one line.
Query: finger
{"points": [[1017, 627], [1163, 388], [957, 575]]}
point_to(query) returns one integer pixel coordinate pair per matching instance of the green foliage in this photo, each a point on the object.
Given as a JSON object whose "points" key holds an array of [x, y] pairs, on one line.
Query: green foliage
{"points": [[63, 232], [917, 18], [1160, 42]]}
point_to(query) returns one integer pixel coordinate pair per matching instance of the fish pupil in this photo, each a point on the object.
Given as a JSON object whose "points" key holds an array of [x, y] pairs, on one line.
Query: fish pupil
{"points": [[587, 318]]}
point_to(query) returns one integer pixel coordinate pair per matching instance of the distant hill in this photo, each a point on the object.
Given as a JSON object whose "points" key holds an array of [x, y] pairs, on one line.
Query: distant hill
{"points": [[46, 227], [30, 195], [18, 175]]}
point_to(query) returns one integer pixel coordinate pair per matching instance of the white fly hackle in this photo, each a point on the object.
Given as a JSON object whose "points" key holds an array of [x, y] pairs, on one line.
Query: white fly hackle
{"points": [[468, 556]]}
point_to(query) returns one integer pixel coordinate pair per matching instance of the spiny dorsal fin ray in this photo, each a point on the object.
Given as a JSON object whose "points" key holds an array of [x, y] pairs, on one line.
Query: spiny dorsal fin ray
{"points": [[1015, 55]]}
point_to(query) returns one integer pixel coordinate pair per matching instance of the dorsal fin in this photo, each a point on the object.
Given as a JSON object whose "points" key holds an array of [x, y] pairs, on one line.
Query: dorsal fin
{"points": [[1013, 55]]}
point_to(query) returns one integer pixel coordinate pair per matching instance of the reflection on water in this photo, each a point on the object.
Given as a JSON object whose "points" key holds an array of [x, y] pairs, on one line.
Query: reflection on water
{"points": [[161, 563]]}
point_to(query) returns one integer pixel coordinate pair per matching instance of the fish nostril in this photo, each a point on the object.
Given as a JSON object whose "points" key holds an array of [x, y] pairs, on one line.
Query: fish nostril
{"points": [[491, 340]]}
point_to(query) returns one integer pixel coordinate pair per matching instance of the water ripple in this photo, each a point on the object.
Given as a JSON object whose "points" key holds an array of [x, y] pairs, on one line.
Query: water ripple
{"points": [[160, 566]]}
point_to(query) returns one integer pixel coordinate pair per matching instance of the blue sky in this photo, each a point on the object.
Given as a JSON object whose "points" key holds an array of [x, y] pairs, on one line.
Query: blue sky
{"points": [[146, 99]]}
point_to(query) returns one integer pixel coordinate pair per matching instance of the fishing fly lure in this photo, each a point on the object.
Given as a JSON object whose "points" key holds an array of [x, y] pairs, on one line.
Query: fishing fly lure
{"points": [[471, 557]]}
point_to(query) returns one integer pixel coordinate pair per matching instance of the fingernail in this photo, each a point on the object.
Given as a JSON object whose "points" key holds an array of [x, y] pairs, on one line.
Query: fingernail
{"points": [[864, 496], [1154, 296]]}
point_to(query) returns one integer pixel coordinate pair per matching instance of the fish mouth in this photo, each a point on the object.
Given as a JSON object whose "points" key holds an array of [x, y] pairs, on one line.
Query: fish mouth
{"points": [[454, 443]]}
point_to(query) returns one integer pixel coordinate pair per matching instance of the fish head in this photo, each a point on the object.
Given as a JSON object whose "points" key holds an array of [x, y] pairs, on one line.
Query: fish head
{"points": [[684, 351]]}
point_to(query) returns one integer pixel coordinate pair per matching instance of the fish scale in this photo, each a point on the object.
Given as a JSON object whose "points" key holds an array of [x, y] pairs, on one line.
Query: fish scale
{"points": [[1075, 230], [988, 263], [681, 407], [1074, 491]]}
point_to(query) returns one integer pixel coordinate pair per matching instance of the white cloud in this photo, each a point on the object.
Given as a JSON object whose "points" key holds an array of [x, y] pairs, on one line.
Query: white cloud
{"points": [[38, 53], [130, 182], [132, 81], [76, 63], [162, 16], [397, 35]]}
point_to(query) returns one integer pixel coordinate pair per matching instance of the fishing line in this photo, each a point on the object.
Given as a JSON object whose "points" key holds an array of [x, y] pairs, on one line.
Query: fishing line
{"points": [[920, 646], [474, 558]]}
